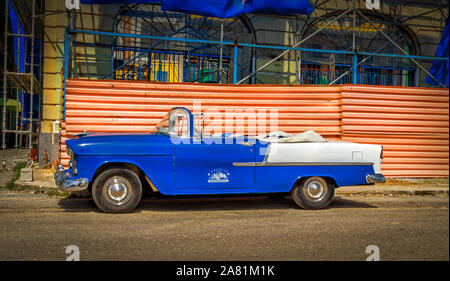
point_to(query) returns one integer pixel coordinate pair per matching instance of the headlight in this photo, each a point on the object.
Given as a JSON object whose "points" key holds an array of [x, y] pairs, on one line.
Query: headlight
{"points": [[72, 162], [69, 152], [74, 166]]}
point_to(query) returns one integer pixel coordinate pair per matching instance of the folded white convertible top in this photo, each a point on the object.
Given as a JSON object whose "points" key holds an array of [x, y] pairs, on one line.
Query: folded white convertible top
{"points": [[307, 136]]}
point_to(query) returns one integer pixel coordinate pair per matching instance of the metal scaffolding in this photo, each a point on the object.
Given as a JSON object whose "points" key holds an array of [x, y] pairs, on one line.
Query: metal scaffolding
{"points": [[154, 45], [354, 46], [22, 76]]}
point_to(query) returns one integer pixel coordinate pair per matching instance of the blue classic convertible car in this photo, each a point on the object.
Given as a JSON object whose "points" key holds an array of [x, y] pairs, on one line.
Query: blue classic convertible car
{"points": [[178, 159]]}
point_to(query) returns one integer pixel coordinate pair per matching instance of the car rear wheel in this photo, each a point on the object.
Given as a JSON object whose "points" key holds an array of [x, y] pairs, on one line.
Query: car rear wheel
{"points": [[313, 193], [117, 190]]}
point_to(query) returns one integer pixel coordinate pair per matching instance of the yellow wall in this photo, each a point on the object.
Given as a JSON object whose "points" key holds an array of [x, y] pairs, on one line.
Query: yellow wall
{"points": [[55, 22], [53, 63]]}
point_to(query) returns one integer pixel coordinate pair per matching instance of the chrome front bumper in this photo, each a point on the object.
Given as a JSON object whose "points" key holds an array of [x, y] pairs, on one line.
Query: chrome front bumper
{"points": [[69, 184], [374, 178]]}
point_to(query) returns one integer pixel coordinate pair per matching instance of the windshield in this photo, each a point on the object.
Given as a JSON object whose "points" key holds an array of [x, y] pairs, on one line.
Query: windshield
{"points": [[176, 122], [163, 125]]}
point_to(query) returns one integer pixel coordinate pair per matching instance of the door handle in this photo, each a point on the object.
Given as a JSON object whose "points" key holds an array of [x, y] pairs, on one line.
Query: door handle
{"points": [[246, 143]]}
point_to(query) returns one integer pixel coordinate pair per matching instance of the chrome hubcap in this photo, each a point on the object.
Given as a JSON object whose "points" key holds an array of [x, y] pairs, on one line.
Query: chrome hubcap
{"points": [[117, 190], [315, 190]]}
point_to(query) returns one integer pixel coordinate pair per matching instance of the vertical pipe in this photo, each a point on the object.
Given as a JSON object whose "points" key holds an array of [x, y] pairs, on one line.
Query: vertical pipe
{"points": [[169, 67], [297, 54], [189, 65], [200, 68], [22, 100], [16, 139], [66, 66], [30, 129], [395, 50], [355, 69], [5, 70], [289, 54], [299, 67], [220, 52], [355, 56], [253, 66], [235, 64], [41, 71], [149, 62], [139, 68], [112, 61], [188, 70], [416, 77]]}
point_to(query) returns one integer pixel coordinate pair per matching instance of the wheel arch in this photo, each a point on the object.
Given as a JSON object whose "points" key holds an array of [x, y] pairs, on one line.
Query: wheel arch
{"points": [[329, 179], [135, 168]]}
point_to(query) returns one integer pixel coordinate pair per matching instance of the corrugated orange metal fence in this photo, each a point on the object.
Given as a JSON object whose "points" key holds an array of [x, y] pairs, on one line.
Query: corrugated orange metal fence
{"points": [[412, 123]]}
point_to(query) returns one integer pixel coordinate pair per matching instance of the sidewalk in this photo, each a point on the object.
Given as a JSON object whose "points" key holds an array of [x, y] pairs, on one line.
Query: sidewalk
{"points": [[43, 182], [396, 187], [392, 190]]}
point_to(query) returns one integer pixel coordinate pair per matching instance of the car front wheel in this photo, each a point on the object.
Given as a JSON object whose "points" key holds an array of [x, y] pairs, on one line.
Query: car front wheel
{"points": [[313, 193], [117, 190]]}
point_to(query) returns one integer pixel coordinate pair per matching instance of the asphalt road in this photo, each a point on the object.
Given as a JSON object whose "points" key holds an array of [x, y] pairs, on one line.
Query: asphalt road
{"points": [[38, 227]]}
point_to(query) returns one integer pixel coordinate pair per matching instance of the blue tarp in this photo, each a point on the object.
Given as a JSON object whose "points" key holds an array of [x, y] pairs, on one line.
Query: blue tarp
{"points": [[101, 2], [17, 29], [19, 48], [223, 8], [440, 69]]}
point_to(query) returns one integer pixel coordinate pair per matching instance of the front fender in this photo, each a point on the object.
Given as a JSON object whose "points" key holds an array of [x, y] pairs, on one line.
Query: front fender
{"points": [[159, 169]]}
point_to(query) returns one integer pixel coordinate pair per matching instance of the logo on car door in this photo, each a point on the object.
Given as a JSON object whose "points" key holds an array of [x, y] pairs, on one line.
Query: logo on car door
{"points": [[218, 176]]}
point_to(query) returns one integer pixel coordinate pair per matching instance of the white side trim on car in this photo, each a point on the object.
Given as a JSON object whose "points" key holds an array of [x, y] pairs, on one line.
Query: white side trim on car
{"points": [[325, 152]]}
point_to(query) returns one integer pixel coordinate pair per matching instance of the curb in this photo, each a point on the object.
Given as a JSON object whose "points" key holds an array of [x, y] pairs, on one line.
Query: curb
{"points": [[34, 186], [46, 187], [420, 192]]}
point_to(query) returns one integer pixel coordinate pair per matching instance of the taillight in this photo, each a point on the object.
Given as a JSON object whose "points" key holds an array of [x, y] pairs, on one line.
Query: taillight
{"points": [[381, 154]]}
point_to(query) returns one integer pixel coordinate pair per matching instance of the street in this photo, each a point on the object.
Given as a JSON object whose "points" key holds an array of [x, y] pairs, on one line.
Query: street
{"points": [[39, 227]]}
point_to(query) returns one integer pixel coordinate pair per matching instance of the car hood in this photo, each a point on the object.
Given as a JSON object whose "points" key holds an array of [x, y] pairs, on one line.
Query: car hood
{"points": [[121, 144]]}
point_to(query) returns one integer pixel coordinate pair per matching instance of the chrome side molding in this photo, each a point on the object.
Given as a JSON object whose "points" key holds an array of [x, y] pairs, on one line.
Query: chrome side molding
{"points": [[260, 164]]}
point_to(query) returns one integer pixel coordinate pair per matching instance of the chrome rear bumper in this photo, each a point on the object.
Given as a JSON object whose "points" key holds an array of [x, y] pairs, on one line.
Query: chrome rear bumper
{"points": [[69, 184], [374, 178]]}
